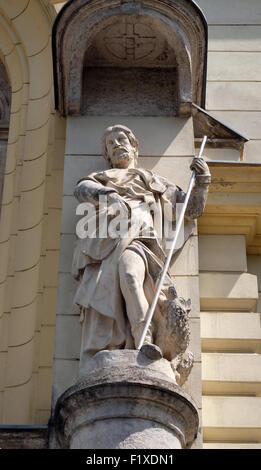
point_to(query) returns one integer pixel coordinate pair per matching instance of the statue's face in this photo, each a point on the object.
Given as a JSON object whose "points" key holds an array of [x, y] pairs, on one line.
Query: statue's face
{"points": [[120, 150]]}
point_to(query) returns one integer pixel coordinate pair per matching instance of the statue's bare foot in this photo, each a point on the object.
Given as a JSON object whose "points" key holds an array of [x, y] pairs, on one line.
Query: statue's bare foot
{"points": [[152, 351]]}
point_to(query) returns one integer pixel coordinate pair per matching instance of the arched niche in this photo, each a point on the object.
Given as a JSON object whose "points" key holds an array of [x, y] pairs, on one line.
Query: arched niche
{"points": [[5, 105], [151, 53], [5, 96]]}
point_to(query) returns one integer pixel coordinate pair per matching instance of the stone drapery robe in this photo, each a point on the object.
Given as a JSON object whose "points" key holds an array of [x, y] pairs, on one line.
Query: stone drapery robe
{"points": [[96, 260]]}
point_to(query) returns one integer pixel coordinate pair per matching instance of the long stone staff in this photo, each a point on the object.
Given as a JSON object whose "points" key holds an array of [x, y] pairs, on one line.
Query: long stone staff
{"points": [[166, 266]]}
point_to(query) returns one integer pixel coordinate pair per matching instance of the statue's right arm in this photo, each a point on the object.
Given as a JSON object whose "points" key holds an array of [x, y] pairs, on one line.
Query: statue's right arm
{"points": [[89, 191]]}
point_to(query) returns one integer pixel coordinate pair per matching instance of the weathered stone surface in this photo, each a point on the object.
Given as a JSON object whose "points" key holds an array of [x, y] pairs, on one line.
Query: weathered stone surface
{"points": [[131, 40], [130, 35], [118, 274], [125, 400], [15, 438], [141, 91]]}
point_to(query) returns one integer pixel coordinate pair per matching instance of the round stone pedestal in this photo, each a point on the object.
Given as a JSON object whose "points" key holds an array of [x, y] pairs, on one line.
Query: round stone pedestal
{"points": [[125, 401]]}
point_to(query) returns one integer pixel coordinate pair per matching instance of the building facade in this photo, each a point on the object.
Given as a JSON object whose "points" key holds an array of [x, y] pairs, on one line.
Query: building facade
{"points": [[47, 144]]}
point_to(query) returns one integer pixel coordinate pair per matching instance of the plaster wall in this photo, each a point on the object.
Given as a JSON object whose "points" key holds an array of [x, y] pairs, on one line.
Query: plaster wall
{"points": [[231, 341], [234, 68], [31, 216], [29, 226]]}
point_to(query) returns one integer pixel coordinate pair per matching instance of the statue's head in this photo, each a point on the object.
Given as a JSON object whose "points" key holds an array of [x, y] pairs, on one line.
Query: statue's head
{"points": [[120, 147]]}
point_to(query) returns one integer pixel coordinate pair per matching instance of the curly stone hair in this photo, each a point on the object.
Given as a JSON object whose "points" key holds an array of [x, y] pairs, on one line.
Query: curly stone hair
{"points": [[119, 127]]}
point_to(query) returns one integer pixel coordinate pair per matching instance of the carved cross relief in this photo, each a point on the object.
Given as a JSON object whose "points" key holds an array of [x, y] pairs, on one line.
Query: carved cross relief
{"points": [[130, 43], [136, 41]]}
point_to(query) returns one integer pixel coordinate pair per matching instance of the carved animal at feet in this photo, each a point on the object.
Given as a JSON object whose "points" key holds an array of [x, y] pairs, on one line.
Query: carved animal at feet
{"points": [[172, 334]]}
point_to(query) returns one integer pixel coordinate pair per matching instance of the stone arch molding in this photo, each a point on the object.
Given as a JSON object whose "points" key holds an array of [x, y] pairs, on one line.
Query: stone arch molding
{"points": [[180, 22]]}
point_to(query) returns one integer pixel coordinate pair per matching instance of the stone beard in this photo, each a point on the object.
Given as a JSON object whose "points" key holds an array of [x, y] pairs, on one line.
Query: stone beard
{"points": [[118, 276]]}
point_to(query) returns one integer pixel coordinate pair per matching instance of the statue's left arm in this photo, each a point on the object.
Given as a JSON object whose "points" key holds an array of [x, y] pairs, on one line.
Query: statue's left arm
{"points": [[199, 193]]}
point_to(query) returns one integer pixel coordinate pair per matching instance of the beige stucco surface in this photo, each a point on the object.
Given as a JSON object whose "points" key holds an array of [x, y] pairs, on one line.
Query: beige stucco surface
{"points": [[34, 212], [231, 342], [231, 331], [29, 240], [229, 418]]}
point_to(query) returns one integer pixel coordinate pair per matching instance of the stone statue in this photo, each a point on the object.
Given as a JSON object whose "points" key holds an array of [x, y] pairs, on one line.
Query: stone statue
{"points": [[118, 274]]}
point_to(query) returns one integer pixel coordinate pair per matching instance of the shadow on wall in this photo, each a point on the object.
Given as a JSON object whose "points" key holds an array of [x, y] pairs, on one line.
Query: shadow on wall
{"points": [[157, 135]]}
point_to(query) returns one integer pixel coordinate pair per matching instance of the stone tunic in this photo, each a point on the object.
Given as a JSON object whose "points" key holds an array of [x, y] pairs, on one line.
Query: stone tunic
{"points": [[95, 262]]}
